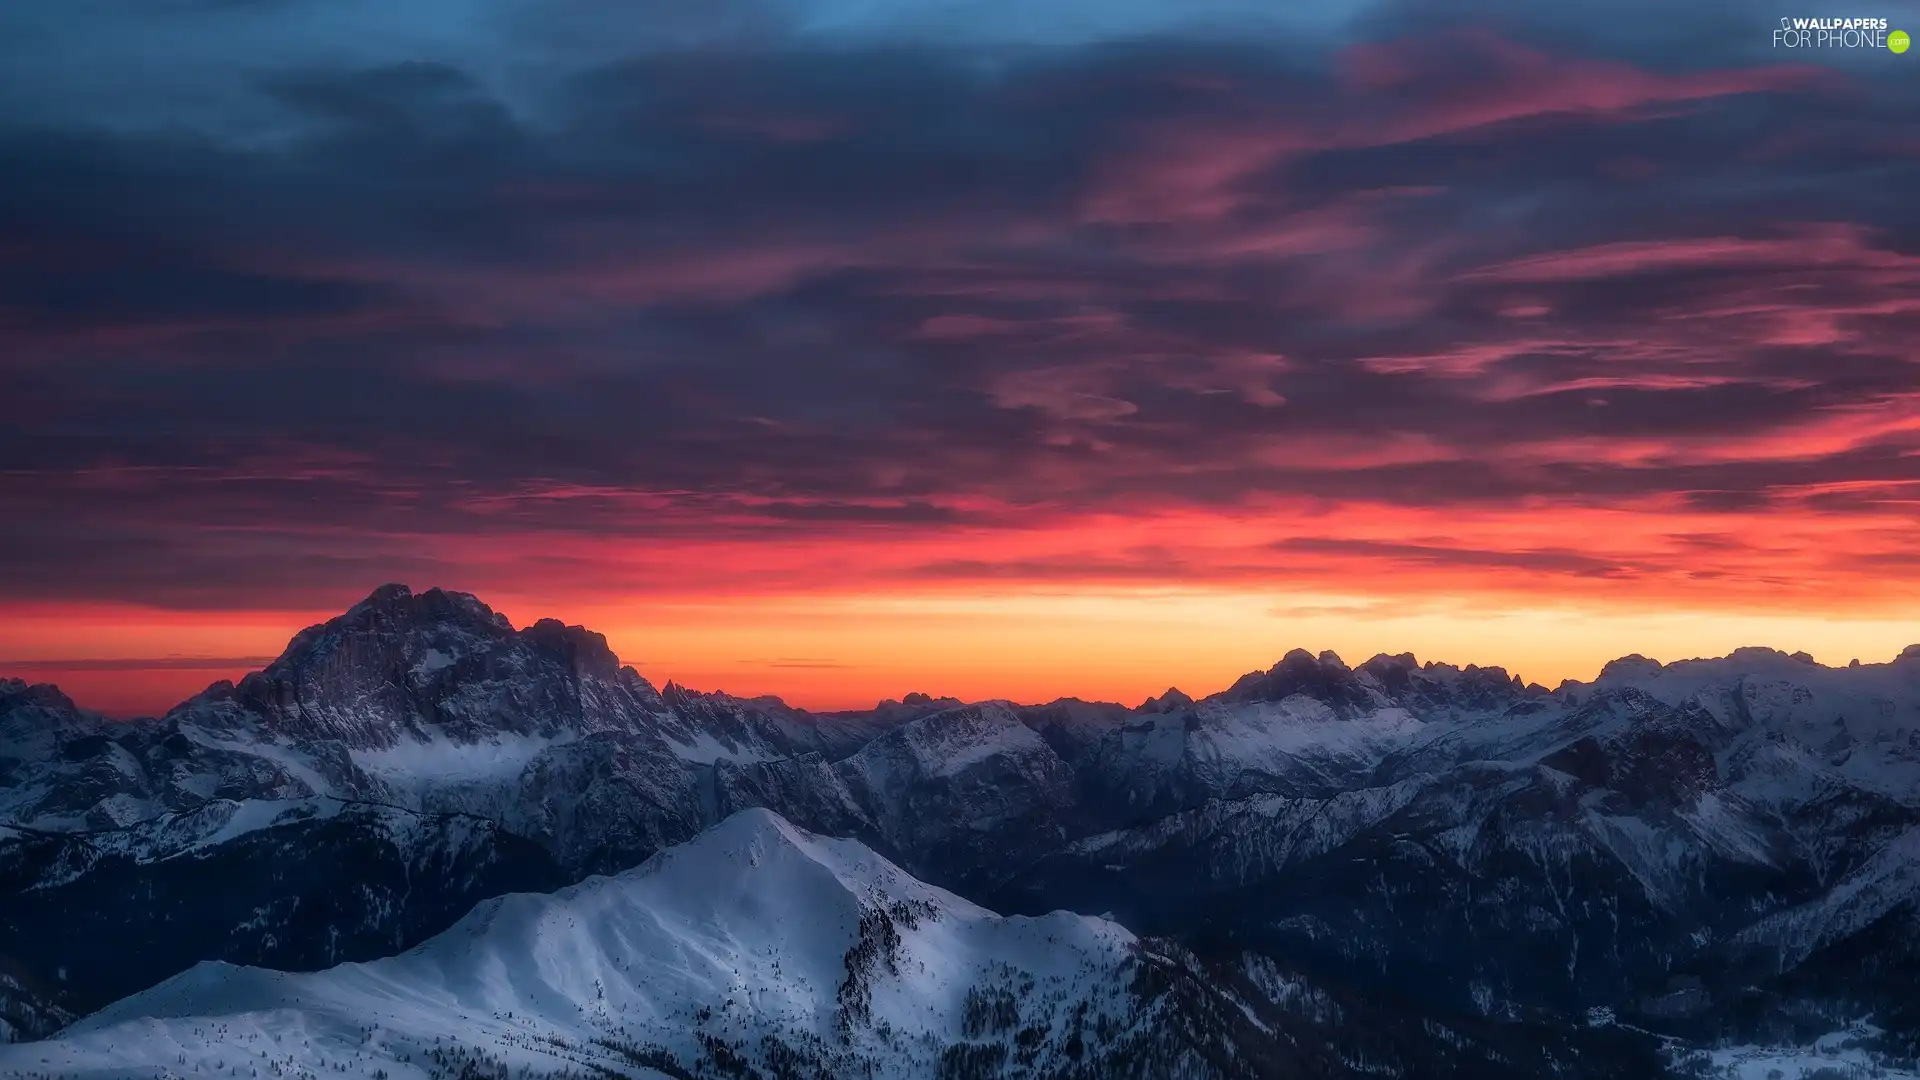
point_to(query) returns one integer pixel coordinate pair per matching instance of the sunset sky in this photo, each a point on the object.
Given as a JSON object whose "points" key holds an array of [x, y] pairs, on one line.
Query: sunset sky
{"points": [[845, 348]]}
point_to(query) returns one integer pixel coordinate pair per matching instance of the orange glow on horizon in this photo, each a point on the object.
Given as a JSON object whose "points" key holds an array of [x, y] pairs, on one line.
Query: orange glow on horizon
{"points": [[849, 651]]}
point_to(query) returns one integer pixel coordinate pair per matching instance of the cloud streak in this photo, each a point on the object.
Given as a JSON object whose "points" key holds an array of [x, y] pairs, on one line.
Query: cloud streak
{"points": [[138, 663]]}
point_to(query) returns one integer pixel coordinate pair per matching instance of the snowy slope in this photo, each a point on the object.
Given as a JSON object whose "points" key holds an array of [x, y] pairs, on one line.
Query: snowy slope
{"points": [[759, 949], [86, 918], [1859, 724], [755, 931], [1887, 882], [964, 791]]}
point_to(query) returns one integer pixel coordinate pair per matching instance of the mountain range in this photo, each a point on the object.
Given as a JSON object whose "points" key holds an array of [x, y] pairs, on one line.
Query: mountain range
{"points": [[408, 842]]}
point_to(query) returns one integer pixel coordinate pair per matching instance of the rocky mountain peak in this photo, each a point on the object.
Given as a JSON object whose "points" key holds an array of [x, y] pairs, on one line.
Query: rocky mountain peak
{"points": [[1761, 655], [584, 651], [29, 710], [402, 666], [1633, 665], [16, 693], [1173, 700], [1434, 691], [1325, 678], [394, 618], [397, 606]]}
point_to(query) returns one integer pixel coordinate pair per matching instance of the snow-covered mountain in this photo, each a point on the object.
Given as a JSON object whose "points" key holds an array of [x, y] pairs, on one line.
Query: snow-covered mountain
{"points": [[1703, 846], [757, 949], [432, 703], [1694, 845], [755, 939], [90, 917]]}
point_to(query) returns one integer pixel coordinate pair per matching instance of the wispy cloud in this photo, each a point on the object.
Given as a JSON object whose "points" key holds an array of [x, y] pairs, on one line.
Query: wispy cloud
{"points": [[139, 663]]}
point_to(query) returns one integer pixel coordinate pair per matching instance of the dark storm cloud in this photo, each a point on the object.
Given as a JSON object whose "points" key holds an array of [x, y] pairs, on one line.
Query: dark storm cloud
{"points": [[773, 282]]}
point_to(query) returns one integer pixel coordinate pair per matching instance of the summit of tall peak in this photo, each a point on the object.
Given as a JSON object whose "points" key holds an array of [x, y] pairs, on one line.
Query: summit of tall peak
{"points": [[1172, 700], [586, 651], [1325, 678], [396, 604]]}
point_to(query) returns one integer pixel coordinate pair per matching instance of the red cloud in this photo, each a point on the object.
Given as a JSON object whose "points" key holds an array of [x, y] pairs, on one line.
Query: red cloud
{"points": [[1396, 92]]}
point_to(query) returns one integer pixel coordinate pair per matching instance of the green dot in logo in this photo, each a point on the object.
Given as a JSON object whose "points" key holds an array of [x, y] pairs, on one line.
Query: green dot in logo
{"points": [[1898, 41]]}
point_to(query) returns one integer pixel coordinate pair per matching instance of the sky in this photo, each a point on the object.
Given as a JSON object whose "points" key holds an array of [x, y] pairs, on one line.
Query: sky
{"points": [[845, 348]]}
